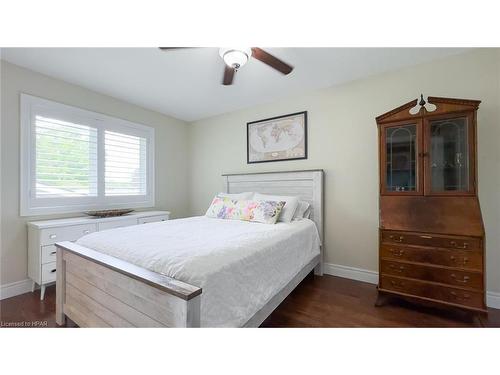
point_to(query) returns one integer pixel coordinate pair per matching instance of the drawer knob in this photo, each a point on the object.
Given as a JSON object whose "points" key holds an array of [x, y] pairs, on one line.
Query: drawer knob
{"points": [[397, 284], [464, 296], [397, 253], [396, 238], [397, 269], [454, 244], [464, 280], [52, 236], [54, 270]]}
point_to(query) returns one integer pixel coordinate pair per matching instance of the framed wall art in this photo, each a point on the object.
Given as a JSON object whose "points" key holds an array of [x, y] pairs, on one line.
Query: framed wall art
{"points": [[277, 138]]}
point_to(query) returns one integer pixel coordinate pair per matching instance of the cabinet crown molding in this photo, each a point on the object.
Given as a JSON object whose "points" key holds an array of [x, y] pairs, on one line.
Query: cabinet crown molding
{"points": [[443, 105]]}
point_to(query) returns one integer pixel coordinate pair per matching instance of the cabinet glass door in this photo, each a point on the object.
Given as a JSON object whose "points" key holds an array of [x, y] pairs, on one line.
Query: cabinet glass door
{"points": [[449, 156], [401, 159]]}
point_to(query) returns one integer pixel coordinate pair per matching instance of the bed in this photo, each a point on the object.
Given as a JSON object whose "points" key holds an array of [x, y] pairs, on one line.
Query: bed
{"points": [[193, 272]]}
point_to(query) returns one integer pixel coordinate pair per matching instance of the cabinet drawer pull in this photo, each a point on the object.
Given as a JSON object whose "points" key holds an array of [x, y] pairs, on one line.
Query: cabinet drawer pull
{"points": [[397, 284], [397, 239], [86, 231], [454, 244], [52, 236], [464, 296], [464, 280], [397, 253], [54, 270], [465, 260], [54, 252], [424, 236], [400, 269]]}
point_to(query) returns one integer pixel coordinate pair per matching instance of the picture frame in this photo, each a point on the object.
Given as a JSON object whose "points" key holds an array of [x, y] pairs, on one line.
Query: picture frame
{"points": [[279, 138]]}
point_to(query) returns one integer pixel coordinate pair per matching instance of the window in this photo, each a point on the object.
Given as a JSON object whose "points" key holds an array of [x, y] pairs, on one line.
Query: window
{"points": [[74, 160]]}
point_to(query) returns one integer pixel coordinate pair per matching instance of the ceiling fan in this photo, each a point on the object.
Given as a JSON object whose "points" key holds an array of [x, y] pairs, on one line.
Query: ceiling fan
{"points": [[235, 58]]}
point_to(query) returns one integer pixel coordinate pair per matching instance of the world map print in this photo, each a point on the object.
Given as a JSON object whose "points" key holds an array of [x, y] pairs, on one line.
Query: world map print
{"points": [[278, 139]]}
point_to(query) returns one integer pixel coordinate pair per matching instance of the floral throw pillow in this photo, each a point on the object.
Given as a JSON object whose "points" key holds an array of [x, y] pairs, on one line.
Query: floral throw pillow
{"points": [[266, 212]]}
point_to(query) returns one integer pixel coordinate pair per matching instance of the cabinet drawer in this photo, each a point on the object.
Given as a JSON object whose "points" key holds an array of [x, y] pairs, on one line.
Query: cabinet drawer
{"points": [[152, 219], [48, 272], [441, 257], [435, 292], [424, 239], [48, 254], [434, 274], [117, 224], [71, 233]]}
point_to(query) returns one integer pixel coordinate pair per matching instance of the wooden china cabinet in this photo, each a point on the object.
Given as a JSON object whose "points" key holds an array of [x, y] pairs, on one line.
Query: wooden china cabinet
{"points": [[431, 240]]}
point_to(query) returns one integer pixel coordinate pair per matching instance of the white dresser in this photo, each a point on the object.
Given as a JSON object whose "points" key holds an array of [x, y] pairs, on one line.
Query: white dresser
{"points": [[42, 235]]}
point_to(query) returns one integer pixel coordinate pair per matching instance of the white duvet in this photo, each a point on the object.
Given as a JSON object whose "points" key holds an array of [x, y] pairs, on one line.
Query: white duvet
{"points": [[240, 265]]}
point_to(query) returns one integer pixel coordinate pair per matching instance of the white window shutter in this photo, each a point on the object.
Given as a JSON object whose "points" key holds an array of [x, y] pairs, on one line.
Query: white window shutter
{"points": [[66, 159], [125, 164]]}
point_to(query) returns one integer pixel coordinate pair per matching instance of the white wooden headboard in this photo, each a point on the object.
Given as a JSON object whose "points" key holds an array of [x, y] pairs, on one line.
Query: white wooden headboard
{"points": [[307, 185]]}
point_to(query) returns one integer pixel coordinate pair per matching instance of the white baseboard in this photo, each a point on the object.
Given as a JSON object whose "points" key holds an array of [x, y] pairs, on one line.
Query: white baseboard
{"points": [[367, 276], [15, 289], [353, 273], [493, 300]]}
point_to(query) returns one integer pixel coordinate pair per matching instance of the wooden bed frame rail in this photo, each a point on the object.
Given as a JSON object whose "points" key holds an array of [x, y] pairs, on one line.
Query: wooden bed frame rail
{"points": [[98, 290]]}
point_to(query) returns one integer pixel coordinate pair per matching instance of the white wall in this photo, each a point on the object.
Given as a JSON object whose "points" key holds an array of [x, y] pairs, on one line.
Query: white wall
{"points": [[343, 142], [170, 159]]}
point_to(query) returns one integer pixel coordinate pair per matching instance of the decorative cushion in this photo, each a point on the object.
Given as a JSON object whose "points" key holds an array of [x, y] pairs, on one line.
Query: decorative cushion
{"points": [[288, 211], [266, 212]]}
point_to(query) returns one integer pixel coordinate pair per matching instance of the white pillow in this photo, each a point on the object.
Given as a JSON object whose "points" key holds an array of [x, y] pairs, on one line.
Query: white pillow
{"points": [[301, 210], [238, 196], [288, 210], [307, 214]]}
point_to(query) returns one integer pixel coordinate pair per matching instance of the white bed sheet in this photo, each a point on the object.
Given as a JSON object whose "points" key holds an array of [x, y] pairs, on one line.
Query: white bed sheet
{"points": [[240, 265]]}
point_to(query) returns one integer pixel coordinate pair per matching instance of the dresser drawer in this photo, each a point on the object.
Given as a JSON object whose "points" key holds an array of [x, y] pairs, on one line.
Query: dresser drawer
{"points": [[49, 272], [70, 233], [48, 254], [441, 257], [434, 274], [117, 224], [424, 239], [152, 219], [436, 292]]}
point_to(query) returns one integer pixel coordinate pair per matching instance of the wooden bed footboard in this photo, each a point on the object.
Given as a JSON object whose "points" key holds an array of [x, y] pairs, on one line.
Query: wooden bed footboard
{"points": [[98, 290]]}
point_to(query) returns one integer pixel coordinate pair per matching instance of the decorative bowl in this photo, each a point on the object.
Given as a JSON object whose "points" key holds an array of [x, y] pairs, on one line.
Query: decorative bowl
{"points": [[109, 213]]}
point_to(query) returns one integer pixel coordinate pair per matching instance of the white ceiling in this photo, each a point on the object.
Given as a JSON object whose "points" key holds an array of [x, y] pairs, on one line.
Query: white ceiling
{"points": [[186, 84]]}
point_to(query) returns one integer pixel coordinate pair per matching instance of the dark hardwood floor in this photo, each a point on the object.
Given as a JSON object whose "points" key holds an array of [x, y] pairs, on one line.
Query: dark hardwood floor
{"points": [[326, 301]]}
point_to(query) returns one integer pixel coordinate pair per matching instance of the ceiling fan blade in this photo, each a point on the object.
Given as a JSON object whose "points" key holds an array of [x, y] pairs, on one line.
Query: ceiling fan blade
{"points": [[174, 48], [228, 75], [270, 60]]}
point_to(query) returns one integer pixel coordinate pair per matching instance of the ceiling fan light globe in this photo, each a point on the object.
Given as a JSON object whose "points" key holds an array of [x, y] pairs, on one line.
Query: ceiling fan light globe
{"points": [[235, 57]]}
